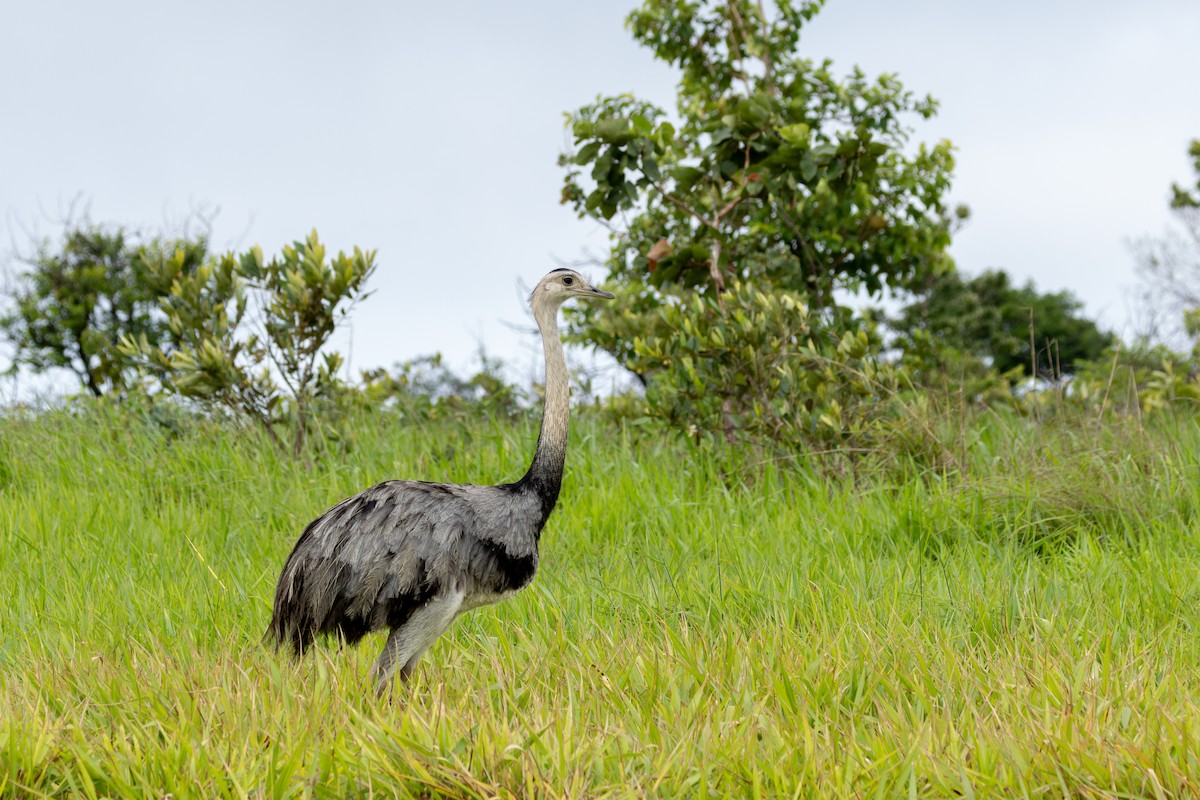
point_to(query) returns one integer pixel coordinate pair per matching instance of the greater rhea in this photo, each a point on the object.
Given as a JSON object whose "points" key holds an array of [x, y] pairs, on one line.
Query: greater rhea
{"points": [[411, 556]]}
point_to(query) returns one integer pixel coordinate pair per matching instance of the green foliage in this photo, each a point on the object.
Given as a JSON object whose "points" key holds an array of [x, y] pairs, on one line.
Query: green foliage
{"points": [[759, 367], [1182, 196], [777, 171], [75, 301], [774, 173], [1139, 378], [271, 374], [425, 388], [989, 319]]}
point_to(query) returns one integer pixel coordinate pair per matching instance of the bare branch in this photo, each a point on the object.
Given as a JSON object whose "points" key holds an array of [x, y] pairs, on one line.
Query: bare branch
{"points": [[684, 206], [714, 269], [727, 208], [739, 29], [768, 64]]}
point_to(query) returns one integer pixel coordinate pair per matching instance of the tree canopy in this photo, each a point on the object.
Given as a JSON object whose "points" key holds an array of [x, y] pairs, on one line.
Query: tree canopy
{"points": [[992, 319], [75, 300], [771, 170]]}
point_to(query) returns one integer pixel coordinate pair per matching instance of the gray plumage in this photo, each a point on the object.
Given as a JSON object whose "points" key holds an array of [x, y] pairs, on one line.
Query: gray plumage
{"points": [[411, 556]]}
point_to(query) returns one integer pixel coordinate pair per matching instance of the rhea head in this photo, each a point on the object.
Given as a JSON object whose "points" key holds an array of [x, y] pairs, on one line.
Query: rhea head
{"points": [[561, 285]]}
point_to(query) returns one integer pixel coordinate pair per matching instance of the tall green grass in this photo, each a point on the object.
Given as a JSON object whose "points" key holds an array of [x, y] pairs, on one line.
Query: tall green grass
{"points": [[1024, 624]]}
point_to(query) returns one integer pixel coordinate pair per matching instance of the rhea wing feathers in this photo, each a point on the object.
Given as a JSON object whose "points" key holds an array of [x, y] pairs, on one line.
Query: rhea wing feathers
{"points": [[373, 559]]}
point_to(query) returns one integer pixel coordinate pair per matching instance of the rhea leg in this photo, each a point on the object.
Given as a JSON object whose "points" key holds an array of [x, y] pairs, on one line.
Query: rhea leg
{"points": [[407, 643]]}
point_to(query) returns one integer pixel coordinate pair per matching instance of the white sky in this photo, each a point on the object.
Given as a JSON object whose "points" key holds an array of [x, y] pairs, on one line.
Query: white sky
{"points": [[430, 131]]}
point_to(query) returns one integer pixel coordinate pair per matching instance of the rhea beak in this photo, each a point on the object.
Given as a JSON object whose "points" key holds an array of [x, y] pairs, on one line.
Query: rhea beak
{"points": [[594, 292]]}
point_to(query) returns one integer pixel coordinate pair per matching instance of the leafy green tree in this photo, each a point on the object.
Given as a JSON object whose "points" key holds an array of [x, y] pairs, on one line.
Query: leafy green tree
{"points": [[989, 318], [736, 220], [270, 366], [776, 172], [75, 300]]}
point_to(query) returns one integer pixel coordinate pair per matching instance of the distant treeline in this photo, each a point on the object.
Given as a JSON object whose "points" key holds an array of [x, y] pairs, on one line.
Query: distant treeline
{"points": [[775, 188]]}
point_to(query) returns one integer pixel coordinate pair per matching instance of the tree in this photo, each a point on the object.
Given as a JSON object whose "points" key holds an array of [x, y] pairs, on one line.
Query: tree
{"points": [[735, 223], [778, 173], [75, 301], [269, 367], [991, 319], [1170, 266]]}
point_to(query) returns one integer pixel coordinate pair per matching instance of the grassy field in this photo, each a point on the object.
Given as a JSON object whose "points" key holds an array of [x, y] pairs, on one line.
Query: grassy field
{"points": [[1028, 625]]}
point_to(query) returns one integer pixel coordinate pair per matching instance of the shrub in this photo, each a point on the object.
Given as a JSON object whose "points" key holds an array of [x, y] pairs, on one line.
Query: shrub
{"points": [[757, 366]]}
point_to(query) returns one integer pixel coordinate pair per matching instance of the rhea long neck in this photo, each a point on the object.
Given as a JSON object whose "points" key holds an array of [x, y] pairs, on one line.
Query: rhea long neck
{"points": [[546, 471]]}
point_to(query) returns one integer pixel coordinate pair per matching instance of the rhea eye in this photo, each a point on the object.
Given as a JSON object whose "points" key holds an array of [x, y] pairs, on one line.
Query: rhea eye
{"points": [[567, 281]]}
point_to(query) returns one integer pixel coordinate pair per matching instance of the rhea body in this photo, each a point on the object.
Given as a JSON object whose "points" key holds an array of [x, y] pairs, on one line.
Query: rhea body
{"points": [[411, 556]]}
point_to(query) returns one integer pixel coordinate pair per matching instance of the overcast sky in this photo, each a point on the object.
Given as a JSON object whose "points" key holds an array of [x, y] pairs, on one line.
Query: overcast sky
{"points": [[430, 131]]}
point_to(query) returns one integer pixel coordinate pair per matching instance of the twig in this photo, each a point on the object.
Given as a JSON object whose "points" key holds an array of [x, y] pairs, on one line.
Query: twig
{"points": [[714, 269], [1111, 373], [684, 206]]}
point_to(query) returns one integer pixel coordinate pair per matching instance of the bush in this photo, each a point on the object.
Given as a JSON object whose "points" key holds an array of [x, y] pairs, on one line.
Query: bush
{"points": [[757, 367], [272, 375], [75, 301]]}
